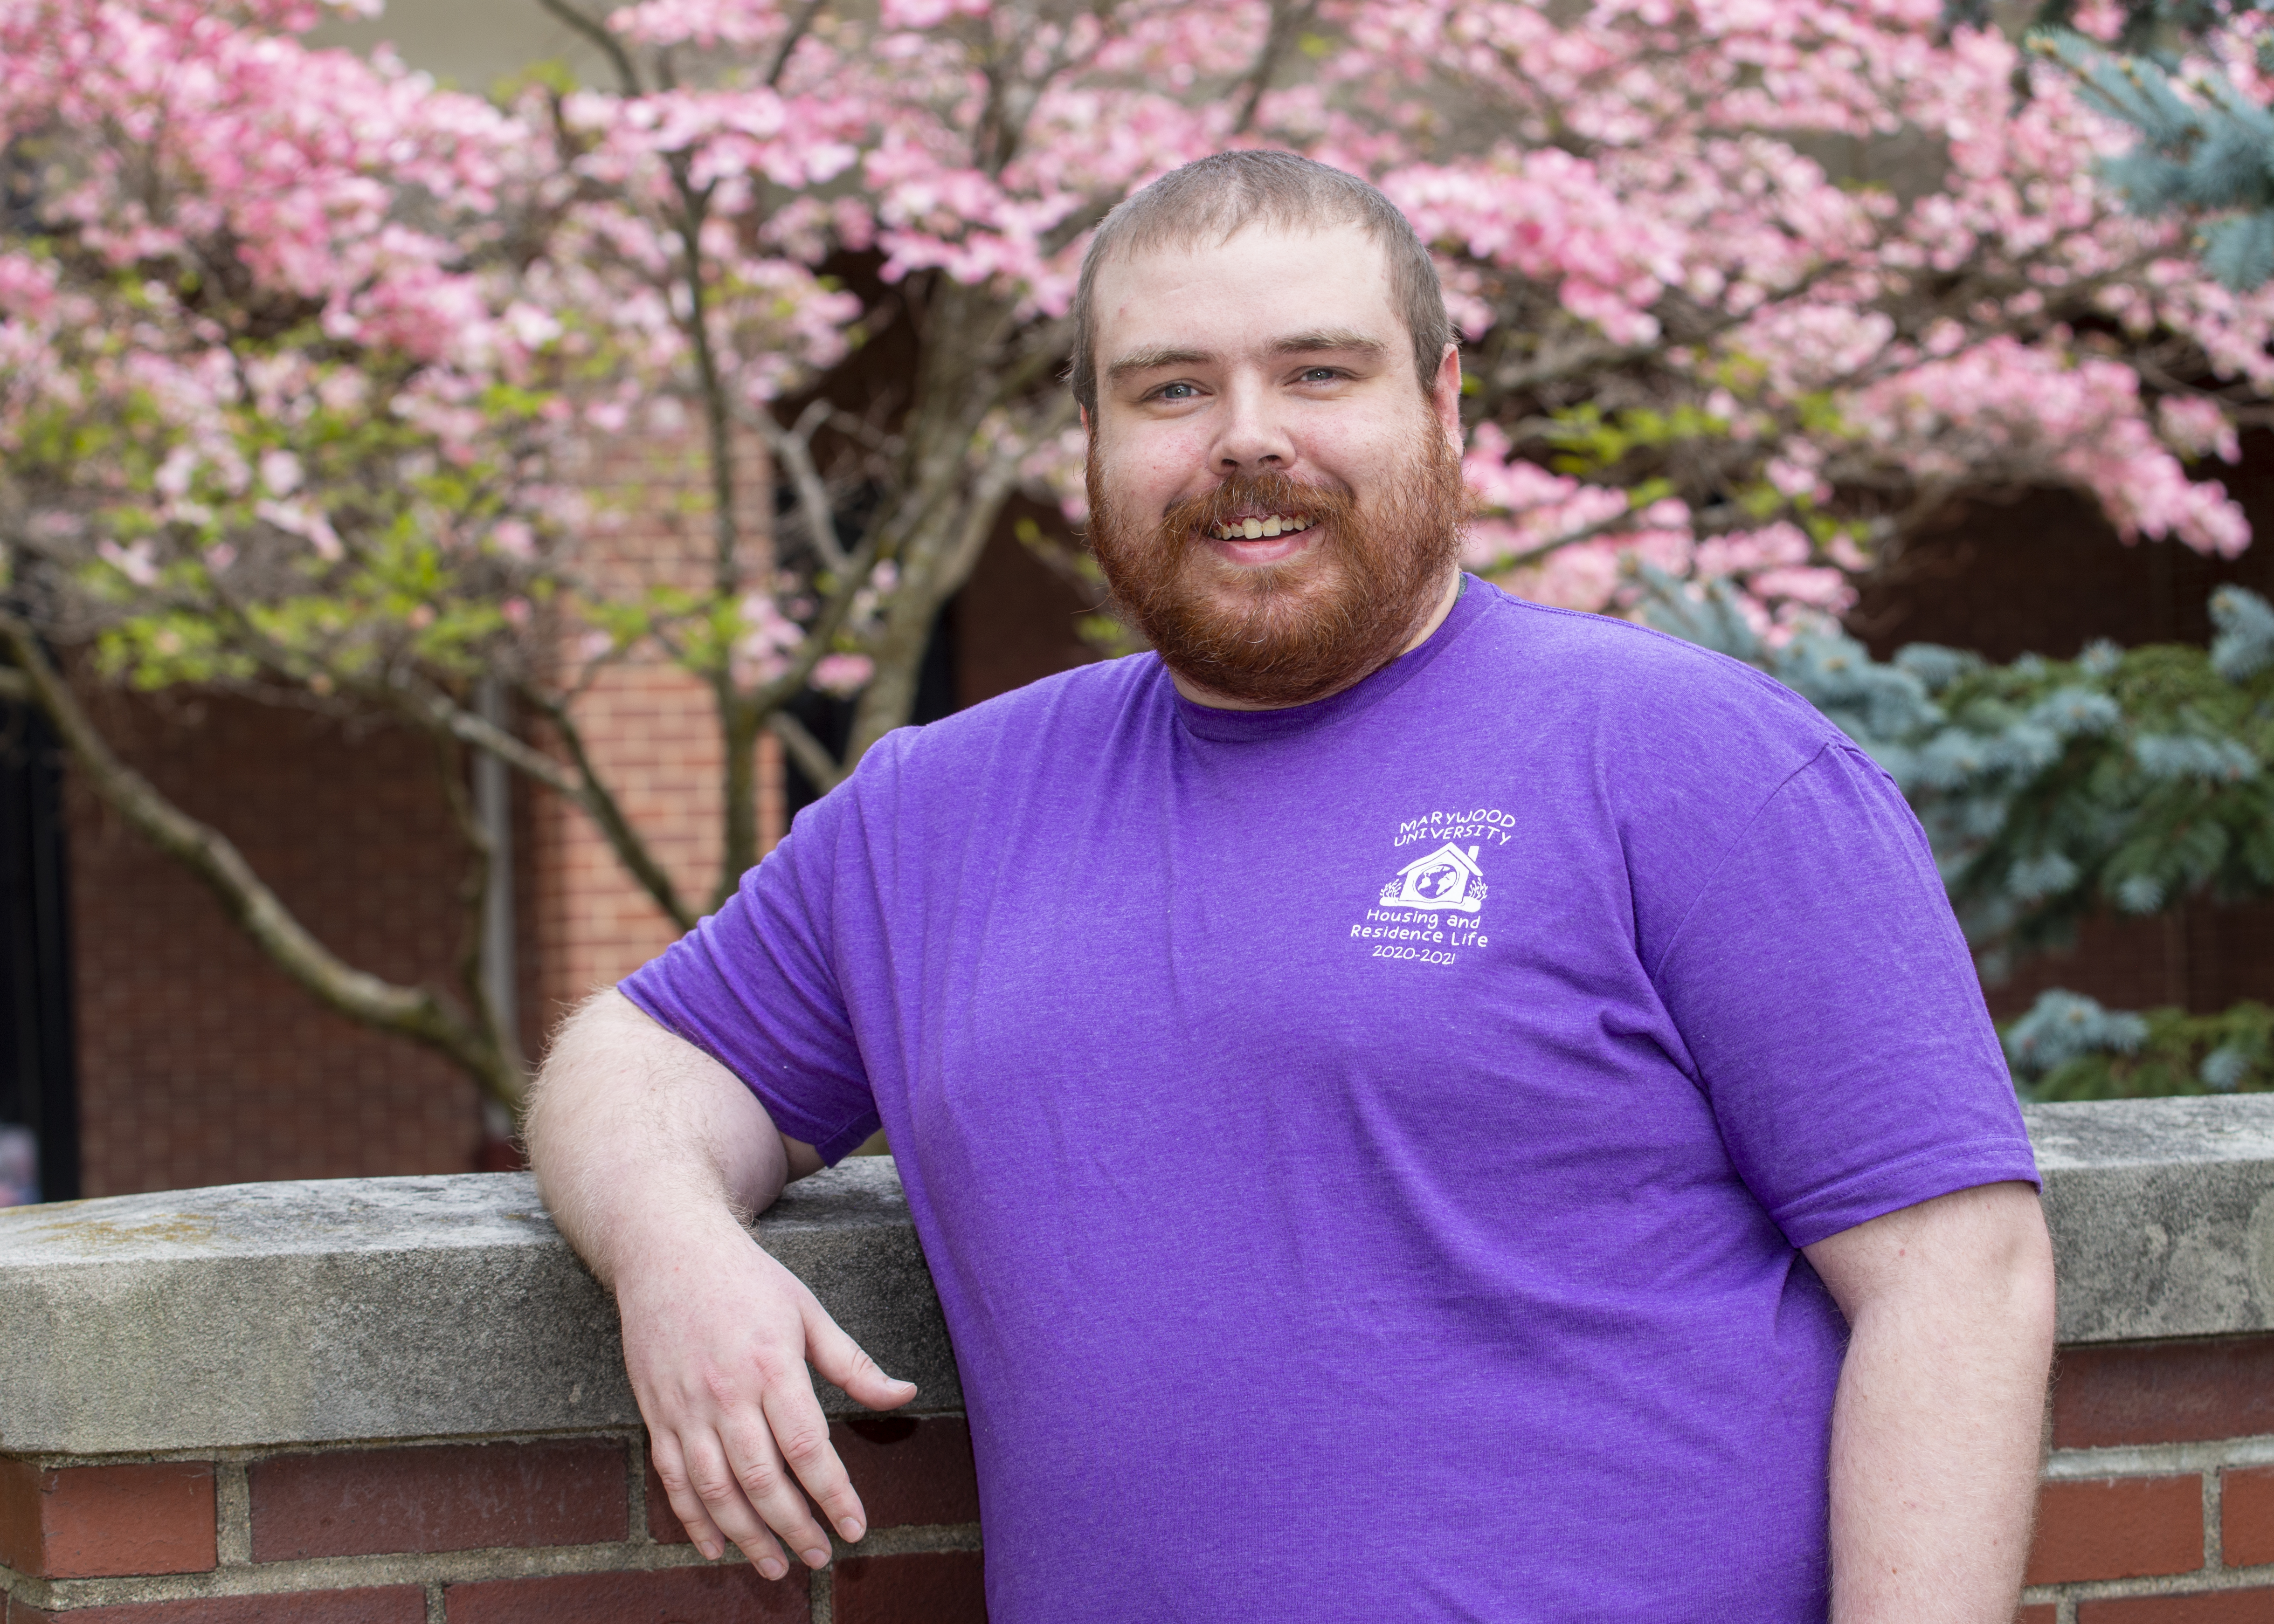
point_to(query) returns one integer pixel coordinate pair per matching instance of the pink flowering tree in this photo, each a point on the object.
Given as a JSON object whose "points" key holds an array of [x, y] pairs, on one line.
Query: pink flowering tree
{"points": [[273, 416], [1707, 339], [301, 358]]}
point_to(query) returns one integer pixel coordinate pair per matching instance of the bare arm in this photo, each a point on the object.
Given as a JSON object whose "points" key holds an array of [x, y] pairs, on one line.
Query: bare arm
{"points": [[649, 1155], [1936, 1430]]}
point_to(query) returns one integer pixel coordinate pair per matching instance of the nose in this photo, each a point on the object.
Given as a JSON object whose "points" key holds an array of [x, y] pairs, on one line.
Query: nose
{"points": [[1251, 436]]}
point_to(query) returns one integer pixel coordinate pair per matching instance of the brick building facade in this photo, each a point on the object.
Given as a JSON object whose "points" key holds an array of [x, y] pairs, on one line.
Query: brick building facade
{"points": [[197, 1062], [154, 1047]]}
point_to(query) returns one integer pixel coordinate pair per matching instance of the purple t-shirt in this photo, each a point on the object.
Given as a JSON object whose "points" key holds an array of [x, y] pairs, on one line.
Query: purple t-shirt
{"points": [[1361, 1148]]}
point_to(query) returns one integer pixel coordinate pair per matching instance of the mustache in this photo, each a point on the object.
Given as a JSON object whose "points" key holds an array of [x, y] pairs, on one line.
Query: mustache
{"points": [[1254, 495]]}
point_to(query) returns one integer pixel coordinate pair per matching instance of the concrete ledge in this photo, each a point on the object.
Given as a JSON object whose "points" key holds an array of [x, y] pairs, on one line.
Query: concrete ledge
{"points": [[254, 1315], [249, 1315], [2163, 1214]]}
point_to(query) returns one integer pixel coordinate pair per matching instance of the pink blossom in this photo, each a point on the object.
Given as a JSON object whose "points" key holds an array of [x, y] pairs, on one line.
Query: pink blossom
{"points": [[2197, 427], [1630, 206], [842, 674]]}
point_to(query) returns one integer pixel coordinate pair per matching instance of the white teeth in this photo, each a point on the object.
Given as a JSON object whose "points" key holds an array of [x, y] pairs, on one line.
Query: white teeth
{"points": [[1255, 529]]}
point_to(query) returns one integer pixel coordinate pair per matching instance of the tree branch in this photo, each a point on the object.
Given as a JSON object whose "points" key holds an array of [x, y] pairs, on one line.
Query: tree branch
{"points": [[1287, 23], [414, 1013], [812, 756], [718, 410], [599, 35], [821, 633], [601, 807], [798, 27], [792, 448], [473, 895]]}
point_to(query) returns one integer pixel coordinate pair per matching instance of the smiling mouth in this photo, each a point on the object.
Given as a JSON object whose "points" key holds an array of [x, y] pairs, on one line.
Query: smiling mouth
{"points": [[1255, 529]]}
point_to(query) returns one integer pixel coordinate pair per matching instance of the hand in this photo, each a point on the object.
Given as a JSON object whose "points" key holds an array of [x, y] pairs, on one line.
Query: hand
{"points": [[717, 1341]]}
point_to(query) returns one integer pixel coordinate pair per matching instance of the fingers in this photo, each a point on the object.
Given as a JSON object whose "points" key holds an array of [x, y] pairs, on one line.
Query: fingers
{"points": [[802, 1432], [761, 1447], [746, 1481], [686, 1500], [839, 1358], [739, 1439], [745, 1494]]}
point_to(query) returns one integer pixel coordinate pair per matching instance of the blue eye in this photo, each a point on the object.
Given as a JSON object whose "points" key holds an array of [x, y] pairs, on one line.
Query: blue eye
{"points": [[1320, 374], [1168, 391]]}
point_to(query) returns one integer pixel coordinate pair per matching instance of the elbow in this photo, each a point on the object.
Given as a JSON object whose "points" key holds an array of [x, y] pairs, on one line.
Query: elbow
{"points": [[2031, 1284], [2014, 1295]]}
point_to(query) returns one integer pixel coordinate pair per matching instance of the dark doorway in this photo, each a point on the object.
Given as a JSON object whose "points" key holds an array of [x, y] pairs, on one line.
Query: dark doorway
{"points": [[39, 1107], [829, 720]]}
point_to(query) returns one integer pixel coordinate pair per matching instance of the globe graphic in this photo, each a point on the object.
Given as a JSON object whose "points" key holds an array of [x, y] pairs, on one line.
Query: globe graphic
{"points": [[1439, 881]]}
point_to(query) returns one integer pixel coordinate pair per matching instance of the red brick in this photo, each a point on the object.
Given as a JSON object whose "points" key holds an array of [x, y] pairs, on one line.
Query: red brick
{"points": [[86, 1522], [2247, 1516], [909, 1471], [2117, 1528], [194, 1049], [20, 1519], [394, 1604], [2251, 1606], [2164, 1393], [2045, 1614], [449, 1496], [731, 1593], [931, 1587]]}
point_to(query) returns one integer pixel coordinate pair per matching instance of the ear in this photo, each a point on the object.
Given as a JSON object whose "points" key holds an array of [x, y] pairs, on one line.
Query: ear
{"points": [[1445, 394], [1084, 412]]}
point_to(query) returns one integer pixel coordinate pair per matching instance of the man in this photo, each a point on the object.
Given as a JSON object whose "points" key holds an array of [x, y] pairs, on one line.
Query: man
{"points": [[1419, 1106]]}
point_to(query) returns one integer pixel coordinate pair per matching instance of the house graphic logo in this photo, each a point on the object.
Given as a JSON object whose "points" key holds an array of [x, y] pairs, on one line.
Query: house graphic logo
{"points": [[1448, 878]]}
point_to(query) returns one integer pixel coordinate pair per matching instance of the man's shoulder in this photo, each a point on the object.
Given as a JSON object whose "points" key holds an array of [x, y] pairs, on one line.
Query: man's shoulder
{"points": [[1637, 676], [1087, 704]]}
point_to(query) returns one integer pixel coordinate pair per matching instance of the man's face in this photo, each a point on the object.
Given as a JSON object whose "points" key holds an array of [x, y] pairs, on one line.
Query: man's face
{"points": [[1274, 499]]}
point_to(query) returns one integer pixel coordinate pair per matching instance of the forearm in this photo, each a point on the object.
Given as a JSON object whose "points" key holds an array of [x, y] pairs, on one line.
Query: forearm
{"points": [[1936, 1430], [649, 1154], [635, 1133]]}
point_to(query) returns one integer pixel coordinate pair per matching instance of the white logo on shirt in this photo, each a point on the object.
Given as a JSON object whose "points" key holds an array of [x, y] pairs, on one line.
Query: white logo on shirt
{"points": [[1448, 878], [1430, 908]]}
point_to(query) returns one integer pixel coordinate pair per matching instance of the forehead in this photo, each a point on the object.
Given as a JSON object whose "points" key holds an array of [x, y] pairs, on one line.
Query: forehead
{"points": [[1257, 285]]}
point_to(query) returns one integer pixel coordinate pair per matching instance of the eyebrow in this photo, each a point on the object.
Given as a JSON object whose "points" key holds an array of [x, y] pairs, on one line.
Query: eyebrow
{"points": [[1340, 340], [1154, 359]]}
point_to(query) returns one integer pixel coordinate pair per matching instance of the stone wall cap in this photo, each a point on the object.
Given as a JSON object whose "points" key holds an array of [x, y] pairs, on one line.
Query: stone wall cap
{"points": [[331, 1310], [336, 1217], [2111, 1133], [252, 1316], [2162, 1213]]}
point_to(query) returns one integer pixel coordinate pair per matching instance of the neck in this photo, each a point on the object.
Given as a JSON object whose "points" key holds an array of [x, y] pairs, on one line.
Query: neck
{"points": [[1422, 630]]}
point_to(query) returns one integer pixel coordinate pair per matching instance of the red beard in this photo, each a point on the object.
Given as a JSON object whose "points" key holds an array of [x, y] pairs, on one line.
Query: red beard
{"points": [[1291, 631]]}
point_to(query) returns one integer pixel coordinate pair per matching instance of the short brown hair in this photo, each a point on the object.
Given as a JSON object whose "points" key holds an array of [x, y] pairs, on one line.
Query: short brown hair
{"points": [[1213, 198]]}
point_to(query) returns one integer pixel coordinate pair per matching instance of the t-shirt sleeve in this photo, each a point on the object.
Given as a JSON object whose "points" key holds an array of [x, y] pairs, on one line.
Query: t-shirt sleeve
{"points": [[1832, 1013], [755, 986]]}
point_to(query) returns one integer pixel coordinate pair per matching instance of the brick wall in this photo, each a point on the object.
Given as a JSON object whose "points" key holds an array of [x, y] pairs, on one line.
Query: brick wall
{"points": [[2158, 1500], [553, 1529], [2157, 1509], [651, 731], [650, 727], [192, 1384], [198, 1062]]}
